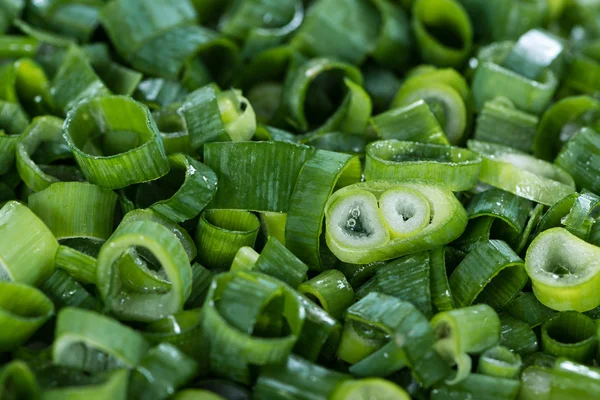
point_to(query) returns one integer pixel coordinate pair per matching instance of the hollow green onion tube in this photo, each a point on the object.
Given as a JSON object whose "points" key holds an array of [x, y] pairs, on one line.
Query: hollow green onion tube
{"points": [[580, 219], [576, 157], [521, 174], [29, 260], [560, 122], [411, 339], [483, 387], [407, 278], [395, 43], [276, 260], [360, 340], [517, 336], [492, 80], [17, 381], [157, 93], [183, 192], [564, 271], [42, 131], [331, 290], [414, 122], [111, 385], [249, 332], [175, 136], [534, 52], [364, 223], [308, 101], [570, 334], [80, 266], [23, 310], [375, 388], [201, 280], [94, 343], [75, 81], [168, 38], [75, 220], [214, 116], [320, 334], [115, 142], [499, 361], [317, 179], [443, 32], [257, 176], [500, 122], [491, 273], [221, 233], [75, 20], [457, 168], [297, 378], [526, 307], [346, 30], [460, 332], [161, 372], [447, 94], [143, 288], [181, 330], [511, 209], [566, 380], [13, 122]]}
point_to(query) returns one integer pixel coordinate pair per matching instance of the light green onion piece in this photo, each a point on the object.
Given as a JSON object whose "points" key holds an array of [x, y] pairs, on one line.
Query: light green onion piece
{"points": [[111, 385], [374, 388], [94, 343], [276, 260], [161, 372], [17, 381], [441, 298], [13, 122], [521, 174], [324, 171], [115, 142], [413, 122], [330, 290], [570, 334], [29, 260], [23, 310], [221, 233], [391, 159], [534, 52], [443, 32], [75, 220], [360, 228], [485, 387], [192, 394], [564, 271], [80, 266], [143, 288], [491, 273], [499, 361], [232, 326]]}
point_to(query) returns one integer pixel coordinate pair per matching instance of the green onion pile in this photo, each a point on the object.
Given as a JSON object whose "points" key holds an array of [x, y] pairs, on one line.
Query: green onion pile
{"points": [[299, 200]]}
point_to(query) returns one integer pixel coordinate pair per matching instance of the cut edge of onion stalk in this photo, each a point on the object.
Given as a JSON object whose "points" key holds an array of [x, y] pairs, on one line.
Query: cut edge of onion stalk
{"points": [[564, 271], [348, 209], [237, 114], [521, 174]]}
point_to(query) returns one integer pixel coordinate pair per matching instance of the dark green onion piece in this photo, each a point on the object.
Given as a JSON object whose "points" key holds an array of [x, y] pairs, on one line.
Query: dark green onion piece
{"points": [[23, 310], [75, 220], [256, 176], [330, 290], [564, 271], [138, 288], [94, 343], [576, 157], [276, 260], [320, 334], [491, 273], [391, 159], [570, 334], [65, 291], [561, 121], [201, 280], [414, 122], [481, 387], [443, 32], [500, 122], [161, 372], [158, 92], [13, 122], [521, 174], [511, 209], [130, 150], [77, 20], [238, 307], [499, 361], [517, 336], [17, 381], [441, 297], [318, 177], [297, 378], [526, 307], [221, 233], [29, 260]]}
